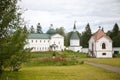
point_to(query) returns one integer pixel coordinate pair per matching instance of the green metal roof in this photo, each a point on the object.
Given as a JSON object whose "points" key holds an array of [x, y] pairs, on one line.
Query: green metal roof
{"points": [[38, 36], [74, 36]]}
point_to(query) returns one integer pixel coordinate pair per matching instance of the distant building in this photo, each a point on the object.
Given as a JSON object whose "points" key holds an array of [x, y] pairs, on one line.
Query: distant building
{"points": [[75, 41], [45, 41], [100, 45]]}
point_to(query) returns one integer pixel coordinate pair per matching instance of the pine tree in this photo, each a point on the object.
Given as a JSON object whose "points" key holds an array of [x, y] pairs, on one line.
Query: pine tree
{"points": [[67, 38], [11, 40], [32, 30], [86, 36], [39, 28], [115, 30], [60, 31], [115, 35]]}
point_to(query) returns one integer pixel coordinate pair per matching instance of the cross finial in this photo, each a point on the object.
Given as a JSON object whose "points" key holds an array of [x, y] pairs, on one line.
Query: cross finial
{"points": [[51, 26]]}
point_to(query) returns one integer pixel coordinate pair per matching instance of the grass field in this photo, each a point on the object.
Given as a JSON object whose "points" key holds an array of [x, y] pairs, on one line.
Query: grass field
{"points": [[109, 61], [76, 72], [37, 70]]}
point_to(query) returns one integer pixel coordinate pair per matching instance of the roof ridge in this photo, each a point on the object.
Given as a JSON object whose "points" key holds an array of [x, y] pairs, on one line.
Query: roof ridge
{"points": [[99, 34]]}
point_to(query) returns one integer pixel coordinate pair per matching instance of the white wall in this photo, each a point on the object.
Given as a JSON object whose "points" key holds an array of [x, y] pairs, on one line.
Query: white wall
{"points": [[84, 50], [38, 44], [58, 40], [74, 42], [100, 55], [107, 50], [91, 41], [75, 49], [107, 42], [44, 44]]}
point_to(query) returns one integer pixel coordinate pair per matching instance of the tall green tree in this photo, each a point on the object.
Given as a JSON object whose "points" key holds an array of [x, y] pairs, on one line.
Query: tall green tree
{"points": [[115, 35], [115, 30], [39, 28], [12, 38], [16, 48], [61, 31], [67, 38], [86, 36], [32, 30]]}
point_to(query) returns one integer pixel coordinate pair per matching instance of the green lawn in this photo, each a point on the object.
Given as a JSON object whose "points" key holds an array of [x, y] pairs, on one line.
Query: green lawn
{"points": [[109, 61], [76, 72], [38, 69]]}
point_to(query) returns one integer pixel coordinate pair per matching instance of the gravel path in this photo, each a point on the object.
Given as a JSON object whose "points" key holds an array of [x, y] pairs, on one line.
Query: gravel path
{"points": [[107, 67]]}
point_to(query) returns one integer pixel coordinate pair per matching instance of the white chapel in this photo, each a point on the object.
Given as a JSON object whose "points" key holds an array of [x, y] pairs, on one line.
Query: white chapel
{"points": [[75, 41], [100, 45]]}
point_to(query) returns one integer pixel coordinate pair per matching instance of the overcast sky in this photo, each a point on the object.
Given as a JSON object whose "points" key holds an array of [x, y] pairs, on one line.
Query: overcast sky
{"points": [[63, 13]]}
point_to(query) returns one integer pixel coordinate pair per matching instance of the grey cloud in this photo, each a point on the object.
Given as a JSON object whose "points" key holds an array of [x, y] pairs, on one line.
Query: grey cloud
{"points": [[64, 12]]}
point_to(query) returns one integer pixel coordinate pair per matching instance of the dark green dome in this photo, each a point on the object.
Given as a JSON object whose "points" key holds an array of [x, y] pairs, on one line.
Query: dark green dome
{"points": [[74, 36], [51, 31]]}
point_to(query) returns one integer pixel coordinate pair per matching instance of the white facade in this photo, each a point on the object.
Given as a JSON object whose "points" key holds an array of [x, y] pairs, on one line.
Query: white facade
{"points": [[75, 45], [55, 42], [74, 42], [100, 46], [84, 50], [58, 40]]}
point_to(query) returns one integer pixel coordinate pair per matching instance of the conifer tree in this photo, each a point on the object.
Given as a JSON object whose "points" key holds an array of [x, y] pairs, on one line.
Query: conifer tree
{"points": [[86, 36], [39, 28], [32, 30], [115, 30], [115, 35], [12, 34]]}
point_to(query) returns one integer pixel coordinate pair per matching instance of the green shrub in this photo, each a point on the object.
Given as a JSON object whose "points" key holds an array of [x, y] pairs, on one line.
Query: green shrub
{"points": [[55, 59]]}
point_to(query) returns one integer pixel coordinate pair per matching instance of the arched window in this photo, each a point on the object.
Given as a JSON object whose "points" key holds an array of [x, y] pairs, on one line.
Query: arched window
{"points": [[103, 46]]}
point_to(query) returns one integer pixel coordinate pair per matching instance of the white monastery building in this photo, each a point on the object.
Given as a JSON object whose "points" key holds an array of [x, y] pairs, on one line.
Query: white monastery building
{"points": [[45, 41], [75, 41], [100, 45]]}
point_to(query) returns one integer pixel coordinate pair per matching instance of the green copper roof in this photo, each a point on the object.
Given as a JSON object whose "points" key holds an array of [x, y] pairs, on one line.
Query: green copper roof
{"points": [[38, 36], [74, 36]]}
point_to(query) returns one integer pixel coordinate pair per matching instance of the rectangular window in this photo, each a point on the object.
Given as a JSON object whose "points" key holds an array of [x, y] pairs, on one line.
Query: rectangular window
{"points": [[103, 53]]}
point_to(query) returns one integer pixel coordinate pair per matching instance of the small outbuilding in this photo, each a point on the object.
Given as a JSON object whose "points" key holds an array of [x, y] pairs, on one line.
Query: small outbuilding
{"points": [[100, 45]]}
